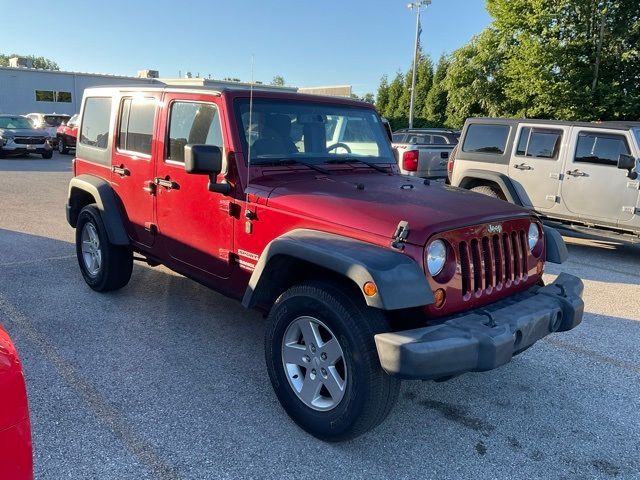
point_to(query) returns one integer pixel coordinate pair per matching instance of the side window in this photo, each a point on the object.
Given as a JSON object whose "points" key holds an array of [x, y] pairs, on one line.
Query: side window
{"points": [[192, 123], [539, 143], [398, 137], [438, 140], [485, 138], [135, 131], [95, 122], [601, 149]]}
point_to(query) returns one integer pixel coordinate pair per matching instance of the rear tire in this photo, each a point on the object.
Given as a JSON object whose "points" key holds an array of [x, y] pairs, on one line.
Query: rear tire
{"points": [[104, 266], [47, 155], [489, 191], [366, 393]]}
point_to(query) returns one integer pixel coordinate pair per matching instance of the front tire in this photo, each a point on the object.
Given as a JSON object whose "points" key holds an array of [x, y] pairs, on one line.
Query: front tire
{"points": [[47, 155], [323, 363], [62, 146], [104, 266]]}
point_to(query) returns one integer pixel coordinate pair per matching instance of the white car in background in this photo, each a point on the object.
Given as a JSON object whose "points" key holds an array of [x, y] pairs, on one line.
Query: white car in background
{"points": [[49, 122]]}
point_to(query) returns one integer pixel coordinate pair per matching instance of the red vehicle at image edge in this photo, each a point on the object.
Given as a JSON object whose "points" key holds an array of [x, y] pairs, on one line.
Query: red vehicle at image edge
{"points": [[294, 204], [16, 461]]}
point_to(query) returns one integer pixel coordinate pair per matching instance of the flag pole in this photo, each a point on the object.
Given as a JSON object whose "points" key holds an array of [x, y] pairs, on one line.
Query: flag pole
{"points": [[417, 6]]}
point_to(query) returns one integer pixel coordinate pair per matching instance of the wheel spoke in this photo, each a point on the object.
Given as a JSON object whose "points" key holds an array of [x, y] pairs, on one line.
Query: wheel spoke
{"points": [[310, 388], [310, 332], [293, 353], [332, 350], [334, 384], [98, 258], [86, 246]]}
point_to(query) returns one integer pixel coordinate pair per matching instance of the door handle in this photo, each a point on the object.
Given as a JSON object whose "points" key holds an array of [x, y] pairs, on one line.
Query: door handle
{"points": [[523, 166], [577, 173], [166, 183], [121, 170]]}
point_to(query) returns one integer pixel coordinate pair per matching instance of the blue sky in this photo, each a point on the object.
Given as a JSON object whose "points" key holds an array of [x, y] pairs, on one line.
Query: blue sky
{"points": [[309, 43]]}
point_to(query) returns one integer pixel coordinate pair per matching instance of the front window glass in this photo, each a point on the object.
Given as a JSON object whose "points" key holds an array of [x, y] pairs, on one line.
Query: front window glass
{"points": [[15, 122], [636, 132], [283, 130], [192, 123], [602, 149]]}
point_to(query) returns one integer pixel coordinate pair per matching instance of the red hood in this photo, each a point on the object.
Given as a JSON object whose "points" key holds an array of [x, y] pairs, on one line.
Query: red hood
{"points": [[375, 203]]}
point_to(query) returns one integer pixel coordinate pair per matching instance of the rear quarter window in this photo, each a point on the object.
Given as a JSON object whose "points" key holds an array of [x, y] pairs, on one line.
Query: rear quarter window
{"points": [[484, 138], [95, 122]]}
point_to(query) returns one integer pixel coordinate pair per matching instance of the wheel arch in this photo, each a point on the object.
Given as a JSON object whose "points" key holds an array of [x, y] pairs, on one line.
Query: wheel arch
{"points": [[86, 189], [308, 254], [476, 178]]}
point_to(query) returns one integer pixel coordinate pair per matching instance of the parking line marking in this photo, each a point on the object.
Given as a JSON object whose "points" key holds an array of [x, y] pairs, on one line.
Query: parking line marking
{"points": [[592, 354], [142, 450], [27, 262]]}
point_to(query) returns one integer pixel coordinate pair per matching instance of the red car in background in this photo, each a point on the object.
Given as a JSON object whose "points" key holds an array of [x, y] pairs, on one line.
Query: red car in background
{"points": [[66, 135], [16, 462]]}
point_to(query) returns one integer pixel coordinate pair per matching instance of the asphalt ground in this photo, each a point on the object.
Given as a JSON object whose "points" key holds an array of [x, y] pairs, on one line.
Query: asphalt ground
{"points": [[166, 379]]}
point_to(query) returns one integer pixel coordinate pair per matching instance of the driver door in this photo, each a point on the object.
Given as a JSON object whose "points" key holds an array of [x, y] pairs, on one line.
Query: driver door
{"points": [[194, 224]]}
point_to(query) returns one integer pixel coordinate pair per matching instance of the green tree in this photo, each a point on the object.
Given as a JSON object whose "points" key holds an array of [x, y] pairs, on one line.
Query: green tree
{"points": [[434, 110], [475, 79], [424, 83], [382, 97], [38, 62], [278, 81], [396, 88], [368, 98]]}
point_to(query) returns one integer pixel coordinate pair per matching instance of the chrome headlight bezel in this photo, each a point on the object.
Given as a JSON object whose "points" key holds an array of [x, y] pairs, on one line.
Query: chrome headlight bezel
{"points": [[435, 257]]}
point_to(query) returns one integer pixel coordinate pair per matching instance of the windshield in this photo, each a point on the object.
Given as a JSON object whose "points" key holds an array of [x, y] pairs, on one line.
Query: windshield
{"points": [[315, 133], [15, 122], [55, 120]]}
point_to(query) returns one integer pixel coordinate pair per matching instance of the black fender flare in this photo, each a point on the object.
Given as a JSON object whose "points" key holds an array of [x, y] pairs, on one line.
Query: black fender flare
{"points": [[555, 248], [400, 281], [504, 182], [105, 199]]}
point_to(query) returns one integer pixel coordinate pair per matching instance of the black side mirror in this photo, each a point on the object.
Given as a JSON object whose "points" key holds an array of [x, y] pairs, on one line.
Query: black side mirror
{"points": [[205, 160], [628, 162]]}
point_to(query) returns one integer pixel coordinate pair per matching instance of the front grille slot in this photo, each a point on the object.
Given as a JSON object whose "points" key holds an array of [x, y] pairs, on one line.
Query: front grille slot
{"points": [[492, 262], [28, 140]]}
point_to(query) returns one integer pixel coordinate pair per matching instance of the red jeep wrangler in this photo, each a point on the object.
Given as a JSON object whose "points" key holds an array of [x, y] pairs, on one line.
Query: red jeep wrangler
{"points": [[293, 204]]}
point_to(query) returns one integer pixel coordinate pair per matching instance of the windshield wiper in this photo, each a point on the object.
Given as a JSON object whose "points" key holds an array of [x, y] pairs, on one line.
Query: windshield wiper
{"points": [[293, 161], [359, 160]]}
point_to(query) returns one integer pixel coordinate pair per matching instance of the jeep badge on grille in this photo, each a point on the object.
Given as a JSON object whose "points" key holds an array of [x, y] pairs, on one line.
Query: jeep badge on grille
{"points": [[494, 228]]}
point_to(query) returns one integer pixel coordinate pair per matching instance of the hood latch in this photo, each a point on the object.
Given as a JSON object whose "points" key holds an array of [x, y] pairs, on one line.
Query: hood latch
{"points": [[400, 237]]}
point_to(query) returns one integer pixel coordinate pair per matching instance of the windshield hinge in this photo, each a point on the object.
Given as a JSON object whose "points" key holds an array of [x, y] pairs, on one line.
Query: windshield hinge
{"points": [[400, 236]]}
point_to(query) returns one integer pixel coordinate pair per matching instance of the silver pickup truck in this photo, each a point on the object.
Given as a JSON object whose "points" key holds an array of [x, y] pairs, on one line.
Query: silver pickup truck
{"points": [[424, 152]]}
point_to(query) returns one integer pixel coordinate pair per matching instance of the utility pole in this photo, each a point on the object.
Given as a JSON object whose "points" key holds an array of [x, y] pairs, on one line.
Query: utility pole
{"points": [[417, 6]]}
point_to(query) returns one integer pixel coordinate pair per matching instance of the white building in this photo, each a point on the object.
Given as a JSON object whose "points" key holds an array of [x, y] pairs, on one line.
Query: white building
{"points": [[26, 90]]}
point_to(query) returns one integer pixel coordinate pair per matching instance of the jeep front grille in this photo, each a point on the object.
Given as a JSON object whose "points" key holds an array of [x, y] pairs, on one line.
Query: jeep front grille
{"points": [[492, 262], [29, 140]]}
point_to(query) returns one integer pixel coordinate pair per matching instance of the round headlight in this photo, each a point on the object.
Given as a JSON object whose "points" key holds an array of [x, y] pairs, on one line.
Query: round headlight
{"points": [[533, 236], [436, 257]]}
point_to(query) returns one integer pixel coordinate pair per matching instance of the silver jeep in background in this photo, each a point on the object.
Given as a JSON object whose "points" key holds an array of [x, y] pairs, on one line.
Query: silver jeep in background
{"points": [[573, 172]]}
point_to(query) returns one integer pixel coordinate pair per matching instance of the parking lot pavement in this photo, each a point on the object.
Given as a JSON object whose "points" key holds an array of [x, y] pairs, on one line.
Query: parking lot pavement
{"points": [[166, 379]]}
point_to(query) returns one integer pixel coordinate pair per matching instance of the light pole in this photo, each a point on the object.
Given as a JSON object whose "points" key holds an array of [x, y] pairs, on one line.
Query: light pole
{"points": [[417, 6]]}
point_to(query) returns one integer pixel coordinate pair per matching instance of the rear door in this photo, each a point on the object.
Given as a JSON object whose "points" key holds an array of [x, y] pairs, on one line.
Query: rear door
{"points": [[195, 226], [133, 163], [535, 165], [593, 187]]}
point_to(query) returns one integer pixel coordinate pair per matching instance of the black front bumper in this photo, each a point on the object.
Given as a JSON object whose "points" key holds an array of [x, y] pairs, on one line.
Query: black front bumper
{"points": [[486, 338]]}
